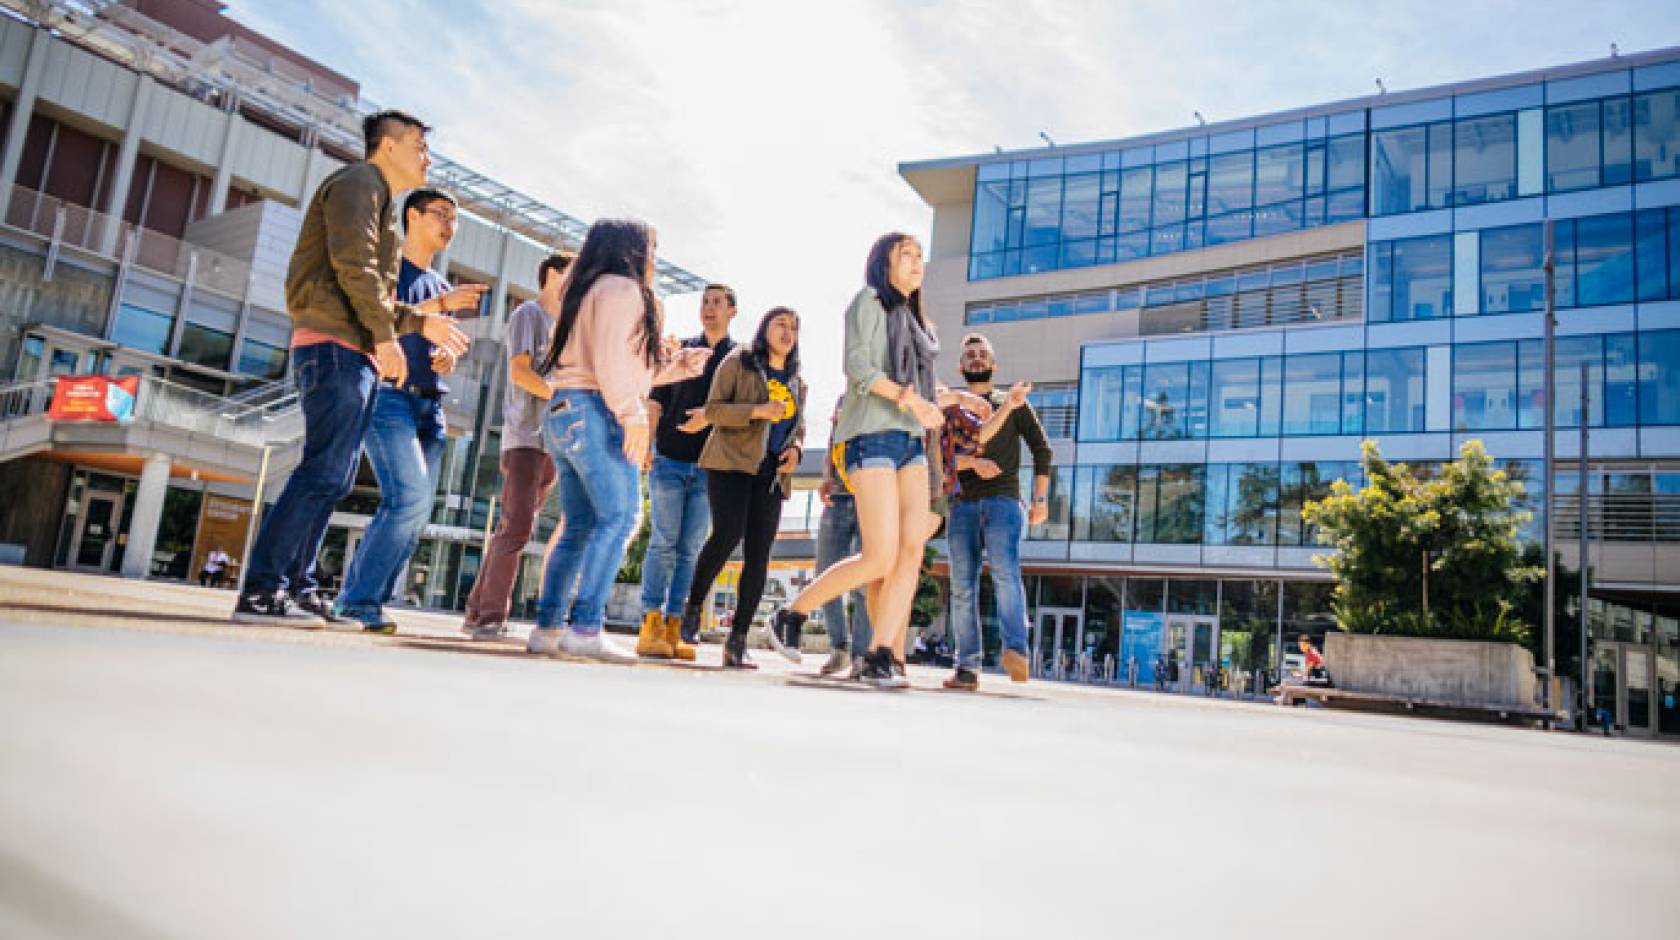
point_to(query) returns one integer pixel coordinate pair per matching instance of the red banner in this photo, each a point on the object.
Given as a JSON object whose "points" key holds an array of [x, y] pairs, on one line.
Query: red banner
{"points": [[93, 398]]}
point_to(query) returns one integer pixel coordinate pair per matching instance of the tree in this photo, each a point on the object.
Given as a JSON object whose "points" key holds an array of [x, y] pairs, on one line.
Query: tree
{"points": [[630, 572], [930, 595], [1427, 557]]}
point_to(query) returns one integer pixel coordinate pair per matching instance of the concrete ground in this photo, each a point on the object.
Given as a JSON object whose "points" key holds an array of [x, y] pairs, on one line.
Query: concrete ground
{"points": [[165, 774]]}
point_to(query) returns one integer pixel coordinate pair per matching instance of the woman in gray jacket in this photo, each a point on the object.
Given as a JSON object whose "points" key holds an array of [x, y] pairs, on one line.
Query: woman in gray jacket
{"points": [[756, 409], [891, 405]]}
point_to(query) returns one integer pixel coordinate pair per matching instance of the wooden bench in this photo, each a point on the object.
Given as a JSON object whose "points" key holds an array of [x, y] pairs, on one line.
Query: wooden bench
{"points": [[1399, 704]]}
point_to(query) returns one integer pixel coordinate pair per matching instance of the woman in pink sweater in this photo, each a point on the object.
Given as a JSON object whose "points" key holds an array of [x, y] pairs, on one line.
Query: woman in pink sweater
{"points": [[605, 356]]}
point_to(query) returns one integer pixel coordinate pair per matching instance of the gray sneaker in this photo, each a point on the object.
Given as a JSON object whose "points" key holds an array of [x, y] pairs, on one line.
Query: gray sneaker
{"points": [[276, 610], [839, 662], [543, 641], [491, 630]]}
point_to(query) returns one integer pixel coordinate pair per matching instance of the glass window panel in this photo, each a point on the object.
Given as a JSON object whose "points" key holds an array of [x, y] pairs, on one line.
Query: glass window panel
{"points": [[1108, 212], [1194, 236], [1165, 241], [1312, 394], [1045, 166], [1621, 380], [1345, 206], [262, 360], [1129, 247], [1315, 170], [1484, 159], [1659, 377], [1656, 134], [1091, 303], [1286, 274], [1230, 182], [1126, 299], [1234, 398], [1651, 254], [1617, 119], [1604, 259], [1059, 307], [982, 267], [1531, 151], [1423, 278], [1485, 387], [1571, 352], [139, 328], [1379, 306], [1394, 396], [1345, 163], [1279, 174], [1572, 146], [1531, 397], [1136, 186], [1170, 182], [1281, 217], [1512, 279], [1218, 497], [1440, 164], [991, 217], [1321, 270], [1229, 228], [1166, 401], [1107, 504], [1187, 290], [1080, 202], [1079, 254], [1221, 286], [1170, 504], [1032, 310], [1353, 393], [1674, 254], [1044, 211], [1099, 404], [1197, 416], [1299, 484], [1271, 394], [1251, 508], [1084, 163], [1197, 206], [1040, 258]]}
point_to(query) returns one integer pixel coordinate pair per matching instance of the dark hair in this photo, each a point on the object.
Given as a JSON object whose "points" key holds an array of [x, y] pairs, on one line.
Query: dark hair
{"points": [[973, 338], [557, 262], [728, 292], [757, 353], [1302, 638], [613, 246], [383, 124], [877, 273], [421, 199]]}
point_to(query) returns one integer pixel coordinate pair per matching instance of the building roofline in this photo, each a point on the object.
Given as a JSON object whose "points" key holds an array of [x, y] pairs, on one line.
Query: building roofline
{"points": [[1470, 86]]}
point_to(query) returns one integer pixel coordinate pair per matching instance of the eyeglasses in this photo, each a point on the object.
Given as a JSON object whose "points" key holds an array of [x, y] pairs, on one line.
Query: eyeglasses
{"points": [[443, 215]]}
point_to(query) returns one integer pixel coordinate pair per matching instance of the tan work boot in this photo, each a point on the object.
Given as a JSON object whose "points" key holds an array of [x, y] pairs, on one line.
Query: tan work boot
{"points": [[651, 642], [1016, 665], [673, 636]]}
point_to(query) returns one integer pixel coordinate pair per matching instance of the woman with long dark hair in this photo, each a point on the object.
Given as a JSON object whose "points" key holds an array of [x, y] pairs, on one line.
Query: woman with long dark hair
{"points": [[606, 355], [757, 412], [891, 405]]}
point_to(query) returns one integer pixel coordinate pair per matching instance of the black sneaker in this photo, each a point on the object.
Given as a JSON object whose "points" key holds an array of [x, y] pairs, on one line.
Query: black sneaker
{"points": [[735, 654], [963, 680], [878, 671], [313, 603], [783, 630], [273, 610]]}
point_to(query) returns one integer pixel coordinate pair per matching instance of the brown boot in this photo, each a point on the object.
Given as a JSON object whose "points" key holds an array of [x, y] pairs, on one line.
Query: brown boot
{"points": [[673, 636], [651, 641], [1016, 665]]}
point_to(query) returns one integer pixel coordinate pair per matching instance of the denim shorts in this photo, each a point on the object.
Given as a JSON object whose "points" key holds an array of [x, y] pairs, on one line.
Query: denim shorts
{"points": [[884, 450]]}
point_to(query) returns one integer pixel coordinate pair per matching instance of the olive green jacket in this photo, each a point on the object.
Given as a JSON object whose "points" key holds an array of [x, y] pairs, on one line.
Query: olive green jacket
{"points": [[738, 439], [342, 280]]}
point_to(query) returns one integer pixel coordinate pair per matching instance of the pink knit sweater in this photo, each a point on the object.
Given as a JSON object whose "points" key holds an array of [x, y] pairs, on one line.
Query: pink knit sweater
{"points": [[604, 352]]}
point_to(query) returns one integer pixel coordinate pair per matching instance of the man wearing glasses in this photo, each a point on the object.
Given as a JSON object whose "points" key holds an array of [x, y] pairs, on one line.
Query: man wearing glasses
{"points": [[406, 438], [340, 293]]}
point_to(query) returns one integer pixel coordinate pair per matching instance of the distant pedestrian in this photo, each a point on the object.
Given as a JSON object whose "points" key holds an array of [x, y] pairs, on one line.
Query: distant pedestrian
{"points": [[837, 538], [606, 354], [756, 408], [214, 564]]}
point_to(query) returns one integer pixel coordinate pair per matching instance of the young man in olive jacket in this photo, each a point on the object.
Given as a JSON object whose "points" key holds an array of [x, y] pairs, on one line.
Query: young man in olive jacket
{"points": [[340, 293]]}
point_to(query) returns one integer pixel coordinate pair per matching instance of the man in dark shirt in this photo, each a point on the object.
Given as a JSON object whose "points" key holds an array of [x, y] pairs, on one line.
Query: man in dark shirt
{"points": [[987, 516], [677, 509], [406, 437]]}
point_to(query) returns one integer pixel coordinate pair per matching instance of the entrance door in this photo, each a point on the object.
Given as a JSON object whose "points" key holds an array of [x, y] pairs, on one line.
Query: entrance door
{"points": [[1192, 646], [96, 532], [1623, 677], [1056, 641]]}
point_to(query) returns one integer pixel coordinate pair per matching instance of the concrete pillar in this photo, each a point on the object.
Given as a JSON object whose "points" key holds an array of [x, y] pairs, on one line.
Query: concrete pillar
{"points": [[148, 512], [306, 186], [499, 292], [23, 107], [144, 87], [224, 167]]}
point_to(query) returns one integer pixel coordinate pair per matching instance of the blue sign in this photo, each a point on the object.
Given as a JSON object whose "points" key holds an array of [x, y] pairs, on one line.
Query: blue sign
{"points": [[1140, 642]]}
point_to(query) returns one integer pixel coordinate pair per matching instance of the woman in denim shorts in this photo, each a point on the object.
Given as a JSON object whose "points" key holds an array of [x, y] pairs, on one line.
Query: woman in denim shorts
{"points": [[890, 405]]}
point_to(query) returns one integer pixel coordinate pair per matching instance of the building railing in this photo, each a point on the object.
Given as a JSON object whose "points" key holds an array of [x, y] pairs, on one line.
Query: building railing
{"points": [[177, 406], [1619, 517], [62, 222]]}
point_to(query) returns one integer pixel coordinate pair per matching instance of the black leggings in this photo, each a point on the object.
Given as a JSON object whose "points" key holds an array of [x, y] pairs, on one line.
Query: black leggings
{"points": [[744, 507]]}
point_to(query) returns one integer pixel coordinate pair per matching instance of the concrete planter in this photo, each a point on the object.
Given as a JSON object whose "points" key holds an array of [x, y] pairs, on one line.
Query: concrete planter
{"points": [[1457, 673]]}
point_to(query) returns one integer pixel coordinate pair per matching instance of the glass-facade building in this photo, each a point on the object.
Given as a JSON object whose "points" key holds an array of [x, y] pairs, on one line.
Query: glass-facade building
{"points": [[1239, 306]]}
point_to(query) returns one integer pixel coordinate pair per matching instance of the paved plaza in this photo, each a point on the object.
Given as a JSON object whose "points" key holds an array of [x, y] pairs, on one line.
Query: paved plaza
{"points": [[164, 774]]}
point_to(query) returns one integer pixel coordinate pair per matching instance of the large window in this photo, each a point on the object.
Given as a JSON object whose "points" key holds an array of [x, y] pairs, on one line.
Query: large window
{"points": [[203, 346], [1423, 278], [1511, 277], [1312, 394], [1572, 146], [1484, 159], [1242, 504], [1603, 260], [1485, 395], [1170, 504], [1394, 391], [1659, 377], [139, 328], [261, 360], [1105, 504], [1243, 398], [1656, 135]]}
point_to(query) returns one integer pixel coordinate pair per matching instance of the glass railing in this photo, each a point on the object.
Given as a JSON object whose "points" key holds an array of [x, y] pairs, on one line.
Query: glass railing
{"points": [[163, 402]]}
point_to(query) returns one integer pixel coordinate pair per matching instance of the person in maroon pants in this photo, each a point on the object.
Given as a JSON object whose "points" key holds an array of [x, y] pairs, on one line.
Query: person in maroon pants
{"points": [[527, 470]]}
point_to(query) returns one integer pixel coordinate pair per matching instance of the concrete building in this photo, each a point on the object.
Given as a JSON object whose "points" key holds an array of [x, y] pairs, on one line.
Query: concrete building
{"points": [[154, 156], [1217, 316]]}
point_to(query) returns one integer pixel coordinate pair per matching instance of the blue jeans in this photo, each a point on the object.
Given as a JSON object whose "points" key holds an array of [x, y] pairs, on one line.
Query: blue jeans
{"points": [[335, 390], [600, 497], [405, 444], [884, 450], [837, 539], [680, 518], [993, 525]]}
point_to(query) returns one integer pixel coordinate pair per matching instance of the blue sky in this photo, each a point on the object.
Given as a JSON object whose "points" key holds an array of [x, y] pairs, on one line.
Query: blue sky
{"points": [[762, 137]]}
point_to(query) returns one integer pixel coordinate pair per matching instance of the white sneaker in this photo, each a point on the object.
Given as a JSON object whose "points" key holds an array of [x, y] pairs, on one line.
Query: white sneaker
{"points": [[594, 646], [543, 641]]}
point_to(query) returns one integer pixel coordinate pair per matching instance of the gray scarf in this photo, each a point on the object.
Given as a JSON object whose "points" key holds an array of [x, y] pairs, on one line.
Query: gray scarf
{"points": [[911, 350]]}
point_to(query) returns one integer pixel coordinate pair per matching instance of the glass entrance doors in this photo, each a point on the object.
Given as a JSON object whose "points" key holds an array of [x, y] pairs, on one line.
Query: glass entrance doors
{"points": [[1055, 642], [96, 533], [1192, 648]]}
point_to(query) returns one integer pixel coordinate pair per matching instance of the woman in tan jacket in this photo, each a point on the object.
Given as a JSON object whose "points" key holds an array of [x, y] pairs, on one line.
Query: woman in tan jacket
{"points": [[757, 412]]}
